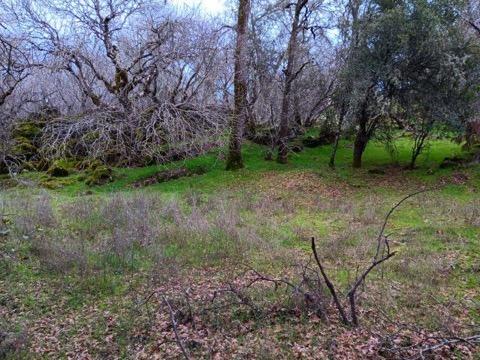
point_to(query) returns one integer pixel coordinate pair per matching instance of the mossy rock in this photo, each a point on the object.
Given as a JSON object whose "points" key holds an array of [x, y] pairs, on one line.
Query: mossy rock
{"points": [[325, 137], [88, 164], [58, 171], [453, 162], [100, 176], [61, 168], [263, 135], [55, 183], [296, 146], [170, 174], [199, 170], [6, 182]]}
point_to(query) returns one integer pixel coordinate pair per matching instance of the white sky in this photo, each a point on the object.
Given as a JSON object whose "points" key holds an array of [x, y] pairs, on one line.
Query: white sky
{"points": [[209, 6]]}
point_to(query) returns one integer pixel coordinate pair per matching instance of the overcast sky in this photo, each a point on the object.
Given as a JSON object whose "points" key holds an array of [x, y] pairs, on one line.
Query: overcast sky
{"points": [[209, 6]]}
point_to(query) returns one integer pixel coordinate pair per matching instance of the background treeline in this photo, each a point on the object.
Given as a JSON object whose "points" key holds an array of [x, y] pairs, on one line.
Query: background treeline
{"points": [[136, 82]]}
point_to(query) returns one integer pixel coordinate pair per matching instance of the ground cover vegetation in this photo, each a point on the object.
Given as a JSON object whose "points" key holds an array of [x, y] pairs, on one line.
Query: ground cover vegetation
{"points": [[284, 180]]}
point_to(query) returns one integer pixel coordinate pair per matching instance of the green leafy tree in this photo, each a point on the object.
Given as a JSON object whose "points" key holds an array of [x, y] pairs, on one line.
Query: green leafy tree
{"points": [[410, 61]]}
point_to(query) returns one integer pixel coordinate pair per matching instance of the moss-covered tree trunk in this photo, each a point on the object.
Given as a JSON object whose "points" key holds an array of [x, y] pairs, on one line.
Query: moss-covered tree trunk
{"points": [[238, 120]]}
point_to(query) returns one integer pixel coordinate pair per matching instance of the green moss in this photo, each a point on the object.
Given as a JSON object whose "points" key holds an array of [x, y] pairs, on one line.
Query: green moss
{"points": [[101, 175], [55, 183], [88, 164], [24, 147], [61, 168], [58, 171], [28, 129]]}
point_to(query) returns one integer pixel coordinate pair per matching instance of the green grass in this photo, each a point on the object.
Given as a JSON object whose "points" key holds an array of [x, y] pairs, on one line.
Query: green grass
{"points": [[311, 159], [437, 243]]}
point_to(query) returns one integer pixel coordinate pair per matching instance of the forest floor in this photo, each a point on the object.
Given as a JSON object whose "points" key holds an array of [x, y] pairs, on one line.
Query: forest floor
{"points": [[100, 272]]}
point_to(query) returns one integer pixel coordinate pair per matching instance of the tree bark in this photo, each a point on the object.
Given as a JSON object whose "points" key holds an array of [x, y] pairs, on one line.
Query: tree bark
{"points": [[337, 138], [234, 159], [289, 78], [361, 141], [366, 128], [472, 135]]}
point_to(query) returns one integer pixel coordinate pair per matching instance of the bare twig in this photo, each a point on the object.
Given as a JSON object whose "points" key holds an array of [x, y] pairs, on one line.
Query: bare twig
{"points": [[175, 328], [392, 210], [330, 286], [471, 341]]}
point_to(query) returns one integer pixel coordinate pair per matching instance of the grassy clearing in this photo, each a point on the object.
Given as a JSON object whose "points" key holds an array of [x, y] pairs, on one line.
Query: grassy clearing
{"points": [[311, 159], [75, 269]]}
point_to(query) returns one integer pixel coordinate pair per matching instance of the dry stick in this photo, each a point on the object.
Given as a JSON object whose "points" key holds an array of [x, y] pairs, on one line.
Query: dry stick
{"points": [[175, 329], [330, 286], [376, 261], [360, 280], [472, 340], [382, 230], [351, 294], [276, 282]]}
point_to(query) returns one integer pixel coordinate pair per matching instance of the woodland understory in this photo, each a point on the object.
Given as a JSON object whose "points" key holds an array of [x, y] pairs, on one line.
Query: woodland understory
{"points": [[286, 179]]}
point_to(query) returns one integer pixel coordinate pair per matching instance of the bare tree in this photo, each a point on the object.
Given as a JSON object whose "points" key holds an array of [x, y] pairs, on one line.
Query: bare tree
{"points": [[472, 15], [124, 68], [238, 120], [15, 67], [291, 74]]}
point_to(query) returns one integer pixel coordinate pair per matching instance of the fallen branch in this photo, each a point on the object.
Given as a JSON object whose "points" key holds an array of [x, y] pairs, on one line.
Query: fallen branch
{"points": [[330, 286], [389, 214], [377, 260], [471, 341], [175, 328]]}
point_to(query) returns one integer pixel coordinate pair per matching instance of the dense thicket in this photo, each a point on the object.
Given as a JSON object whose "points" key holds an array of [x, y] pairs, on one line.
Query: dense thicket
{"points": [[133, 82]]}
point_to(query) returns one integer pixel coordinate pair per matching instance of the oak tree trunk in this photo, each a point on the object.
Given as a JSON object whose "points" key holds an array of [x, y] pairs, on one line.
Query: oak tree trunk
{"points": [[283, 133], [234, 159], [361, 139]]}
